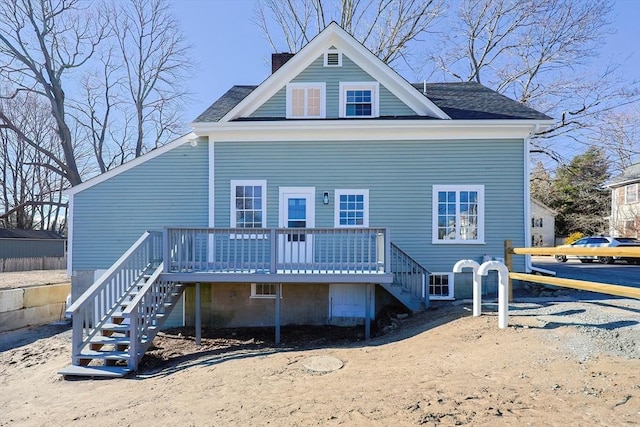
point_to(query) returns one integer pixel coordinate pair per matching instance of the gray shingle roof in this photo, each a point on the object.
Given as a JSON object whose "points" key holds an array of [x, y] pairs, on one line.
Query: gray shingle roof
{"points": [[225, 103], [473, 101], [460, 101], [630, 174], [15, 233]]}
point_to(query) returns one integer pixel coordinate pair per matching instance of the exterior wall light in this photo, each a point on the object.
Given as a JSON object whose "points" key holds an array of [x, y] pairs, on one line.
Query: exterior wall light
{"points": [[325, 198]]}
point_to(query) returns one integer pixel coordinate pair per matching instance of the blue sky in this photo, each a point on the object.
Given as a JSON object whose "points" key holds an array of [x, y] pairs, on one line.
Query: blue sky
{"points": [[230, 49]]}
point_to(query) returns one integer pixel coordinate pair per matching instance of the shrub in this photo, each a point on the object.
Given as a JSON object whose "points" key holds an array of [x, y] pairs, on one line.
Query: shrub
{"points": [[576, 235]]}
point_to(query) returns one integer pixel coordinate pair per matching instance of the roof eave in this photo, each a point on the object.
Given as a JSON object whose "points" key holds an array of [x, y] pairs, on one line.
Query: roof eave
{"points": [[130, 164], [368, 129], [333, 34]]}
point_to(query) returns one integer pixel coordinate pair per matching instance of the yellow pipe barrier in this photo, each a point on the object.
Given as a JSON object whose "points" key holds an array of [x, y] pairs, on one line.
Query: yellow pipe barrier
{"points": [[623, 291], [617, 251]]}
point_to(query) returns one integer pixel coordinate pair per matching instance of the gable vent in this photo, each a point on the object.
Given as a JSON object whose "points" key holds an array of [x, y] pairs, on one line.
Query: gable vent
{"points": [[332, 58]]}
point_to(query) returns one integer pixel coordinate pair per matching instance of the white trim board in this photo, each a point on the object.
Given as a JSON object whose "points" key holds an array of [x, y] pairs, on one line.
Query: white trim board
{"points": [[367, 129], [185, 139]]}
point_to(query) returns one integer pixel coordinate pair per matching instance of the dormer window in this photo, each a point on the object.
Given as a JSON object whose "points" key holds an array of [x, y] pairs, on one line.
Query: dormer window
{"points": [[306, 101], [333, 58], [359, 100]]}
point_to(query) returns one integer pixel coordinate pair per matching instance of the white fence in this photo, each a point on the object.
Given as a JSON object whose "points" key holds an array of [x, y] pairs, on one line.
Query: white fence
{"points": [[36, 263]]}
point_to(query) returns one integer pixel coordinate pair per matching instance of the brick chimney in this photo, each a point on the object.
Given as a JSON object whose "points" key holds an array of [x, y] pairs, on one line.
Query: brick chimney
{"points": [[279, 59]]}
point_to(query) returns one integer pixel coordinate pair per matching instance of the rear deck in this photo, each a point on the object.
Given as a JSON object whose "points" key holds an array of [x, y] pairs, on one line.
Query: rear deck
{"points": [[116, 319]]}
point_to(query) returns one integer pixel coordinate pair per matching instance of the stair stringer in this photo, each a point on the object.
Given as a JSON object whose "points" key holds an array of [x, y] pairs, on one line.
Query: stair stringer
{"points": [[410, 300]]}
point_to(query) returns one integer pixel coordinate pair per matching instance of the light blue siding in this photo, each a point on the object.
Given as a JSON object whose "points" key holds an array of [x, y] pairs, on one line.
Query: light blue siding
{"points": [[168, 190], [399, 176], [390, 105]]}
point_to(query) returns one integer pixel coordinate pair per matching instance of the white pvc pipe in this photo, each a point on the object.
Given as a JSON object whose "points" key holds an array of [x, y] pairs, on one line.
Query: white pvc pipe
{"points": [[503, 284], [477, 283]]}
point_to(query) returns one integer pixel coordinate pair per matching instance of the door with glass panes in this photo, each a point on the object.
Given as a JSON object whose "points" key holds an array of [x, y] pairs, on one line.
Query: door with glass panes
{"points": [[297, 210]]}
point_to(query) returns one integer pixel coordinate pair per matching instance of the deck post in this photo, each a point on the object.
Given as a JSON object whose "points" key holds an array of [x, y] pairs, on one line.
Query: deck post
{"points": [[387, 251], [508, 262], [273, 268], [165, 249], [367, 312], [198, 315], [278, 285]]}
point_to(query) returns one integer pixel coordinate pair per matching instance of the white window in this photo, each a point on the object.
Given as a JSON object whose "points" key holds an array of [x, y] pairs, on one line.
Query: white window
{"points": [[537, 241], [631, 193], [265, 290], [351, 208], [441, 286], [333, 58], [359, 99], [306, 100], [248, 203], [536, 222], [458, 214]]}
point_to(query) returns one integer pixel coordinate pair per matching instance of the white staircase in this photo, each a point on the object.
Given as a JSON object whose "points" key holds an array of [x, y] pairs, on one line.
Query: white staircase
{"points": [[116, 319], [410, 280]]}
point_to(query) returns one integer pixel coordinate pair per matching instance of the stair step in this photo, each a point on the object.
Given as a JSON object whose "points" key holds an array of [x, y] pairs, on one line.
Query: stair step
{"points": [[115, 327], [105, 355], [95, 371], [99, 339]]}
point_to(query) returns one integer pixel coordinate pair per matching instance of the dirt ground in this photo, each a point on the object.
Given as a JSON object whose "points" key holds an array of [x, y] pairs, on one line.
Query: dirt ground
{"points": [[572, 363], [21, 279]]}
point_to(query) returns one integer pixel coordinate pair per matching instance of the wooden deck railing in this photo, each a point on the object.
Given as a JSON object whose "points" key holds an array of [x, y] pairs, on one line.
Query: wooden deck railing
{"points": [[277, 250], [409, 273], [146, 313]]}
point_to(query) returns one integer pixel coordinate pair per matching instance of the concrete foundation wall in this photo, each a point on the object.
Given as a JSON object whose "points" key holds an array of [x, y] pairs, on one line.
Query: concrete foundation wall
{"points": [[231, 305], [80, 282], [36, 305]]}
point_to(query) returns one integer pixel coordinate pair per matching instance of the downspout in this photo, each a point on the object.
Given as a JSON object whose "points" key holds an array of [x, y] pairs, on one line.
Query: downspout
{"points": [[527, 198]]}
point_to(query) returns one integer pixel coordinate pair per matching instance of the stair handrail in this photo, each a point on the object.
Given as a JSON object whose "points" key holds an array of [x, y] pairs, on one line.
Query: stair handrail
{"points": [[413, 278], [142, 312], [92, 307], [115, 268]]}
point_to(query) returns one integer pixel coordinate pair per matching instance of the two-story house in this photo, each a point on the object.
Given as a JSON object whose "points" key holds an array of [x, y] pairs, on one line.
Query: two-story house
{"points": [[625, 203], [333, 188]]}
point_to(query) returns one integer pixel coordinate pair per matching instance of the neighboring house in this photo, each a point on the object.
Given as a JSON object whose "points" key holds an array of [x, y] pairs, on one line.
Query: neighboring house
{"points": [[330, 190], [625, 203], [543, 223]]}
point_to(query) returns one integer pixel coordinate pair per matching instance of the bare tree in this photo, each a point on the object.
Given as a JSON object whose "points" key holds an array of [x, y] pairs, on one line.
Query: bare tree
{"points": [[619, 133], [539, 53], [99, 113], [155, 59], [31, 193], [40, 42], [386, 27]]}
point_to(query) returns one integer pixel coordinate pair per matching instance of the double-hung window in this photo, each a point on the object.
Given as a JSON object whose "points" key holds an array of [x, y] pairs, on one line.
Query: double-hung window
{"points": [[248, 203], [306, 100], [458, 214], [351, 208], [631, 193], [359, 99]]}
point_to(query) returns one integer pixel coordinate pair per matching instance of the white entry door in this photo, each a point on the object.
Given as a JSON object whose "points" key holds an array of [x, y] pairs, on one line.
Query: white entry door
{"points": [[297, 210]]}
